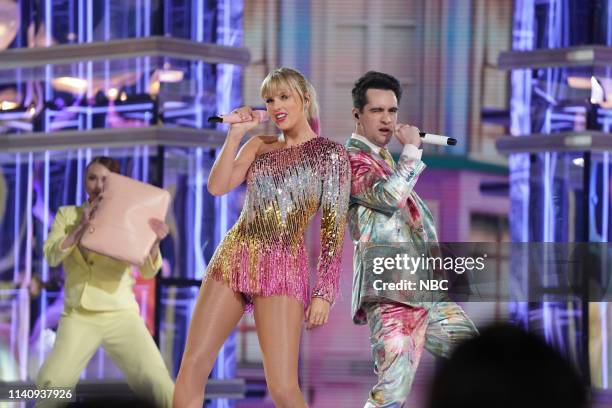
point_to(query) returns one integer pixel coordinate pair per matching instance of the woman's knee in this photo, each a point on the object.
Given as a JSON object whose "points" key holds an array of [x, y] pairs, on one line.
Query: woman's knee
{"points": [[196, 367], [44, 379], [48, 377], [285, 394]]}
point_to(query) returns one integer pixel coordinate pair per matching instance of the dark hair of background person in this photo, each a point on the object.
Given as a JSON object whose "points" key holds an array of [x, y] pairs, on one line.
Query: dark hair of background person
{"points": [[506, 367], [374, 80], [108, 162]]}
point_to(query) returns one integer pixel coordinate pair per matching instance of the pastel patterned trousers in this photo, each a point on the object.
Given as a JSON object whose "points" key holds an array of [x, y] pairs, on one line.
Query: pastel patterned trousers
{"points": [[398, 335]]}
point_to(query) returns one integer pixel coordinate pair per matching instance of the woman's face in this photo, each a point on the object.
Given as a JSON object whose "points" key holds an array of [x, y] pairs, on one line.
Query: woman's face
{"points": [[285, 108], [94, 180]]}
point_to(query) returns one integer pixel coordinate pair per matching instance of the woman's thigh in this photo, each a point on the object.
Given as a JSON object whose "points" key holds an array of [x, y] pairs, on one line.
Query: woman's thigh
{"points": [[279, 323]]}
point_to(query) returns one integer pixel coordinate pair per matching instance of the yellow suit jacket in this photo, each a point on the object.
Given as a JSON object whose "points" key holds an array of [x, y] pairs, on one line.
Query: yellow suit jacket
{"points": [[93, 281]]}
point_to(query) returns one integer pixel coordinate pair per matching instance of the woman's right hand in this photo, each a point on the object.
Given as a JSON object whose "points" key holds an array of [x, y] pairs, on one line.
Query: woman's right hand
{"points": [[229, 169], [74, 238], [249, 120], [89, 211]]}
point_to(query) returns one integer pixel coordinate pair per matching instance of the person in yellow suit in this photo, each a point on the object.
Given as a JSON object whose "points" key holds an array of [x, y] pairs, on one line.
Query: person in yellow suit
{"points": [[99, 305]]}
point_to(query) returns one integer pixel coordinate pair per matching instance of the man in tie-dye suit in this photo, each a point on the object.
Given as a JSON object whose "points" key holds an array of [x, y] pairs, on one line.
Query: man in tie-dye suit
{"points": [[384, 208]]}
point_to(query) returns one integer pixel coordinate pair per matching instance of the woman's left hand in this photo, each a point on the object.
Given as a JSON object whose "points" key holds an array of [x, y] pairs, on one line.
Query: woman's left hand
{"points": [[317, 313], [160, 228]]}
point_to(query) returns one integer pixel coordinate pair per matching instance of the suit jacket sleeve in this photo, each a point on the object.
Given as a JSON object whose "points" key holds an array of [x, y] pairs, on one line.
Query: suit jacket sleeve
{"points": [[59, 231], [373, 187], [150, 268]]}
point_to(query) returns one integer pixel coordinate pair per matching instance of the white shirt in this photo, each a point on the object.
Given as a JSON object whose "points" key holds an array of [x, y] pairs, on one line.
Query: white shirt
{"points": [[410, 151]]}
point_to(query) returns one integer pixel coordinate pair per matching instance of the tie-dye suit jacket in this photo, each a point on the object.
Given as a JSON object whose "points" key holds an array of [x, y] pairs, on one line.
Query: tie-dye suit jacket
{"points": [[384, 208]]}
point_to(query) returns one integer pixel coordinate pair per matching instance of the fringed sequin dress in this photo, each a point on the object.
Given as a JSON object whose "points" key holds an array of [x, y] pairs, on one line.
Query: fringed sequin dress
{"points": [[263, 254]]}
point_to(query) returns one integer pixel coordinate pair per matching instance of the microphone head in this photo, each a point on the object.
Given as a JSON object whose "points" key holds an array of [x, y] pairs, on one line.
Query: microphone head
{"points": [[215, 119], [451, 141]]}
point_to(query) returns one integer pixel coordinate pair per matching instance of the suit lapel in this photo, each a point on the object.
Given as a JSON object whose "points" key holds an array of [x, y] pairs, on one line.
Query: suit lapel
{"points": [[358, 144], [353, 143]]}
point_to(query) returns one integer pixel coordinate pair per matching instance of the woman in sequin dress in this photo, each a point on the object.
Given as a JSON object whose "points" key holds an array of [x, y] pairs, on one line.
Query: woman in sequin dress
{"points": [[262, 262]]}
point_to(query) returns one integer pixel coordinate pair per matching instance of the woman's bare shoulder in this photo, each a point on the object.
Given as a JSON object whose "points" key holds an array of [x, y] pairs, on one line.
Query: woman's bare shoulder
{"points": [[266, 143]]}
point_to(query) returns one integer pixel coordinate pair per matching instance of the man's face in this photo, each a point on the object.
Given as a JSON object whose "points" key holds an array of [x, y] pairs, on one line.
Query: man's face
{"points": [[379, 117]]}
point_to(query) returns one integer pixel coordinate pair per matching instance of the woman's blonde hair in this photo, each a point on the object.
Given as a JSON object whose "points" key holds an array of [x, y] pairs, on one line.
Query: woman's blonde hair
{"points": [[293, 79]]}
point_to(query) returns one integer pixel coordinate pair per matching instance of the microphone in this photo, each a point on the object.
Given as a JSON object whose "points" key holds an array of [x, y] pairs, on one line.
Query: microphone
{"points": [[439, 140], [260, 115]]}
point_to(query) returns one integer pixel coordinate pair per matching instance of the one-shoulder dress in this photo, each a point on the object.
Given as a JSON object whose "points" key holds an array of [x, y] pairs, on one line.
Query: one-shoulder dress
{"points": [[264, 254]]}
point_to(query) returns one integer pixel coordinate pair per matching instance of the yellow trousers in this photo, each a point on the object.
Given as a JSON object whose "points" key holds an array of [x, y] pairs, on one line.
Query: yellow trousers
{"points": [[124, 336]]}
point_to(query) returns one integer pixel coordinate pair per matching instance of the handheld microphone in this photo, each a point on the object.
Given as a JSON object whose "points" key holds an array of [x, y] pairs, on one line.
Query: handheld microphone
{"points": [[260, 115], [439, 140]]}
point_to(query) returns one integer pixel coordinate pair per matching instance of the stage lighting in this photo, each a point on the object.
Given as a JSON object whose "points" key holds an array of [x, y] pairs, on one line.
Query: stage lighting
{"points": [[70, 84], [8, 105], [112, 93], [170, 75], [578, 82]]}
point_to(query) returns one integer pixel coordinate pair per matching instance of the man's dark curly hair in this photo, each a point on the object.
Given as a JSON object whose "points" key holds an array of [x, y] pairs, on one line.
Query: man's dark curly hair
{"points": [[374, 80]]}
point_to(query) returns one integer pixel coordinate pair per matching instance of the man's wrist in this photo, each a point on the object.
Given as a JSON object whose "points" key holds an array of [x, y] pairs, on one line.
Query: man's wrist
{"points": [[412, 152]]}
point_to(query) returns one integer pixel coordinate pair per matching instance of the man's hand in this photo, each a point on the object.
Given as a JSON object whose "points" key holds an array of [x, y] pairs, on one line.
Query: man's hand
{"points": [[407, 134], [317, 313]]}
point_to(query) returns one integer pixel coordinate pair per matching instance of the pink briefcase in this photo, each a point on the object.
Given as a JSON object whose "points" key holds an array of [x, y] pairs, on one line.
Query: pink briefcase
{"points": [[120, 226]]}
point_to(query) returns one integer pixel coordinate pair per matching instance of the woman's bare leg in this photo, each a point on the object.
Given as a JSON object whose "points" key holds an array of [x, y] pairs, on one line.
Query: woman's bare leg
{"points": [[279, 323], [216, 313]]}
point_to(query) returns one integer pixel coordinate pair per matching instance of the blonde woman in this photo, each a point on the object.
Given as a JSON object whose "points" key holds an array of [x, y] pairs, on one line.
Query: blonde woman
{"points": [[262, 263]]}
